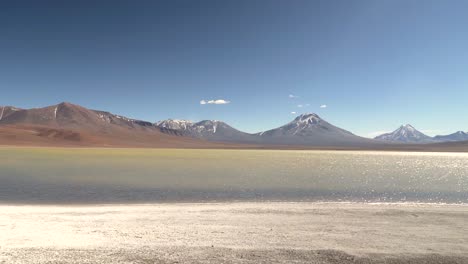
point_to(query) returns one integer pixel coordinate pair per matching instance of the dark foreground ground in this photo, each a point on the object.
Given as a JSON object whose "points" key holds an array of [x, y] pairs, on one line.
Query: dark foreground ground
{"points": [[235, 233], [218, 255]]}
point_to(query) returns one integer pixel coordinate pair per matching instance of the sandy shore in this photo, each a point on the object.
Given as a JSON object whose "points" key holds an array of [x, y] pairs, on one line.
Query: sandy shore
{"points": [[235, 233]]}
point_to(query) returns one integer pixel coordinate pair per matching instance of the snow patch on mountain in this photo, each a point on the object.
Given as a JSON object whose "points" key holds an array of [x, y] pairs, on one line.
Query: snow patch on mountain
{"points": [[176, 124], [205, 126], [406, 134]]}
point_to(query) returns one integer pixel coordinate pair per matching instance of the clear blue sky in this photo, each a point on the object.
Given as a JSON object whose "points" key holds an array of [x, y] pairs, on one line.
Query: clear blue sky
{"points": [[375, 64]]}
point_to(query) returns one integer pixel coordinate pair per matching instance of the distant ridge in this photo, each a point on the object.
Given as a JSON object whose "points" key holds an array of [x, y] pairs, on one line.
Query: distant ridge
{"points": [[211, 130], [70, 124], [457, 136], [409, 134], [71, 116], [307, 130]]}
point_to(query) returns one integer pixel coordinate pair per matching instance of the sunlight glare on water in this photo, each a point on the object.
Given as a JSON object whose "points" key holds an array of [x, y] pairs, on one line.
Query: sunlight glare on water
{"points": [[138, 175]]}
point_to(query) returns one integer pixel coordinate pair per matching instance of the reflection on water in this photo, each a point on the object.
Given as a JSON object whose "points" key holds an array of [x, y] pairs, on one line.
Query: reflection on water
{"points": [[136, 175]]}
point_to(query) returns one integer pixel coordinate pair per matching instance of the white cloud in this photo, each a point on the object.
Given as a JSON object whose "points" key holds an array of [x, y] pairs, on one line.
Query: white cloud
{"points": [[293, 96], [218, 102], [300, 106], [293, 113], [323, 106]]}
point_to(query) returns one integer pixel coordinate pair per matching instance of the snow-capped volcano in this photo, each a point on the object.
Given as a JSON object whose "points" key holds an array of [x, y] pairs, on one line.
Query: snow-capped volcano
{"points": [[305, 124], [310, 129], [307, 119], [406, 134]]}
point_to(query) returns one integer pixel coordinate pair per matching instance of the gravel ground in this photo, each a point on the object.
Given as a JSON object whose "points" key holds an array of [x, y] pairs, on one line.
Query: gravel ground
{"points": [[235, 233]]}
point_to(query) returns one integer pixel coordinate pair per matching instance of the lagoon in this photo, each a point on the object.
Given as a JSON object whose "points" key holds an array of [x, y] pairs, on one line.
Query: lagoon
{"points": [[99, 175]]}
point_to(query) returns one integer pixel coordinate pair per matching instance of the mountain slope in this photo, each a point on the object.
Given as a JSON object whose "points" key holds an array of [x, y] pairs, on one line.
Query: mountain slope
{"points": [[69, 124], [5, 111], [71, 116], [306, 130], [405, 134], [175, 124], [210, 130], [310, 129], [457, 136]]}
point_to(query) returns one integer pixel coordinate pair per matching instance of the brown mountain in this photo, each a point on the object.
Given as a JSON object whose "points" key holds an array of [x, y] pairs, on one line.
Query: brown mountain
{"points": [[67, 124], [70, 124], [71, 116], [5, 111]]}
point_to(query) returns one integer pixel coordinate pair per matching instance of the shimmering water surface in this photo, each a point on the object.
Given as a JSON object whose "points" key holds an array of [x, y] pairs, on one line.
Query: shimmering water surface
{"points": [[46, 175]]}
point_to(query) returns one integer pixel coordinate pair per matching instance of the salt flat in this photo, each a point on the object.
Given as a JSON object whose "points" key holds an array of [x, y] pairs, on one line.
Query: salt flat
{"points": [[244, 232]]}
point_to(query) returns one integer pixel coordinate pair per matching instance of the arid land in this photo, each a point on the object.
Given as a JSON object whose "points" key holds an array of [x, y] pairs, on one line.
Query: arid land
{"points": [[235, 233], [40, 136]]}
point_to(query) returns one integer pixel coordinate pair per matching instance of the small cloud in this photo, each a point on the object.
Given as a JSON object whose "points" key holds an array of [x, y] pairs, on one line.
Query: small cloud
{"points": [[293, 113], [323, 106], [300, 106], [292, 96], [217, 102]]}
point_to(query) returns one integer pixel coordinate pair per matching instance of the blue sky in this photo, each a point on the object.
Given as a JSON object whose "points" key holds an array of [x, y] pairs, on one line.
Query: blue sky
{"points": [[374, 64]]}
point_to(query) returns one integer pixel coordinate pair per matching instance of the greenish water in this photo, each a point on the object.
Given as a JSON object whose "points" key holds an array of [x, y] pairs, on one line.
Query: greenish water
{"points": [[64, 175]]}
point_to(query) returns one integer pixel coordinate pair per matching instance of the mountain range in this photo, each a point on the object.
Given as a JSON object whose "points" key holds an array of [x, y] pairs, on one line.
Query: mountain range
{"points": [[409, 134], [210, 130], [70, 125], [307, 129]]}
